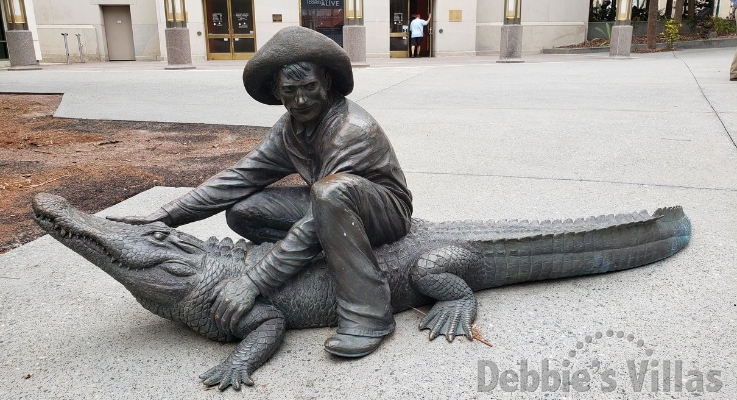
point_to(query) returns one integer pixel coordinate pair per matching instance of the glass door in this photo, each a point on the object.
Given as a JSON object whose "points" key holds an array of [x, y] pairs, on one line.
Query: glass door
{"points": [[399, 32], [230, 29]]}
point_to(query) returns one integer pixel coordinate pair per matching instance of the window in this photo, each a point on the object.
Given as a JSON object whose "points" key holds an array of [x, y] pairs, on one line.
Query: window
{"points": [[324, 16]]}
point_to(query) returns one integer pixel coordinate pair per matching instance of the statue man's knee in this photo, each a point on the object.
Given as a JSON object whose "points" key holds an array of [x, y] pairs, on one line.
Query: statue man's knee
{"points": [[333, 190], [240, 216]]}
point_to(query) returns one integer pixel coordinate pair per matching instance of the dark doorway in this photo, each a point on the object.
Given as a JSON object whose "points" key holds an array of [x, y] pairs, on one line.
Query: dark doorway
{"points": [[402, 12], [424, 8]]}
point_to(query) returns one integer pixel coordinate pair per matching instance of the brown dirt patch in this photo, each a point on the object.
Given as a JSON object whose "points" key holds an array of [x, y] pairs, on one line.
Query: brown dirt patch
{"points": [[98, 163]]}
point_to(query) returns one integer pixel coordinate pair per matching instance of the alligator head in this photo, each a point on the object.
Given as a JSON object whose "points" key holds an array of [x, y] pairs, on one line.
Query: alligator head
{"points": [[154, 262]]}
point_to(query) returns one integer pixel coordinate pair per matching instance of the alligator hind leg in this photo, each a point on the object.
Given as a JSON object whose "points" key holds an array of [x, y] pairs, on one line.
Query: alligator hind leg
{"points": [[436, 274], [263, 330]]}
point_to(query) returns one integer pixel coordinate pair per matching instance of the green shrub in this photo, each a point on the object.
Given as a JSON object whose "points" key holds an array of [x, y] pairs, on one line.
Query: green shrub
{"points": [[607, 34], [724, 26], [715, 24]]}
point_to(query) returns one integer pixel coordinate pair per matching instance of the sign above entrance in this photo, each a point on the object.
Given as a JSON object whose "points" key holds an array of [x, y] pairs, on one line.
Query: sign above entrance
{"points": [[323, 4]]}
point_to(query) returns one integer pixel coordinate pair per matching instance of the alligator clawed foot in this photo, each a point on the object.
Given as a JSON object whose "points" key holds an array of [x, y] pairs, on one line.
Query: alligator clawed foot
{"points": [[450, 318], [227, 374]]}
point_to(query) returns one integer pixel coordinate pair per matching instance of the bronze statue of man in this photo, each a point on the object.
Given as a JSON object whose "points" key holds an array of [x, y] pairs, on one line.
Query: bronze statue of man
{"points": [[356, 195]]}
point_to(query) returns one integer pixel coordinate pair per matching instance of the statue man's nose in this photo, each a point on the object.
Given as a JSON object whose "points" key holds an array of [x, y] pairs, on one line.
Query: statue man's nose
{"points": [[300, 97]]}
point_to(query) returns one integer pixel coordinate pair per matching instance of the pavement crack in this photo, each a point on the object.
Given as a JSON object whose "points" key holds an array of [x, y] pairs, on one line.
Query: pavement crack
{"points": [[706, 98]]}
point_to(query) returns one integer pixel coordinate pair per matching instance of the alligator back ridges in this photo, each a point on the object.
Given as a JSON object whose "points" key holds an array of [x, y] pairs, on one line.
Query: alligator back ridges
{"points": [[582, 247]]}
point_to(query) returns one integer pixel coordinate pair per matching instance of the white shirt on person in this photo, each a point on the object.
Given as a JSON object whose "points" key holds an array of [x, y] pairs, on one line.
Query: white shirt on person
{"points": [[417, 27]]}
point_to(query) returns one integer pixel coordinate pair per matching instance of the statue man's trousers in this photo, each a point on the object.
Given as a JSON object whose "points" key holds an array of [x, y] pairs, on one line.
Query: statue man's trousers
{"points": [[343, 215]]}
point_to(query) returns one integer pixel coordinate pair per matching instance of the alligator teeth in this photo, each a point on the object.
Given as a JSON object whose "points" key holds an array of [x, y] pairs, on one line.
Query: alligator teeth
{"points": [[63, 232]]}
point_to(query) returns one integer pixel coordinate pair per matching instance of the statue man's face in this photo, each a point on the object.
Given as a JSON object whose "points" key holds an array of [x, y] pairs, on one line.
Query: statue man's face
{"points": [[306, 99]]}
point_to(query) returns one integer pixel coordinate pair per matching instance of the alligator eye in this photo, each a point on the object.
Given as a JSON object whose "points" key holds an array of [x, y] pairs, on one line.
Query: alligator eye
{"points": [[159, 235]]}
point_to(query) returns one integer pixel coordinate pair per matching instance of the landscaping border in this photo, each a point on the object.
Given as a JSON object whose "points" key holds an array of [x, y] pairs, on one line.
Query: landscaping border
{"points": [[692, 44]]}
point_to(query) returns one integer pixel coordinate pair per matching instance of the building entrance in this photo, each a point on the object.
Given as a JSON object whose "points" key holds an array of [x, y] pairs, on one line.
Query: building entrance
{"points": [[230, 29], [402, 14], [119, 33]]}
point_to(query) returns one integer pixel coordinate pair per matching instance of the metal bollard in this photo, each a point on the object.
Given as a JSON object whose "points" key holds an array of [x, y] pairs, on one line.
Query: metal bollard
{"points": [[66, 46], [79, 42]]}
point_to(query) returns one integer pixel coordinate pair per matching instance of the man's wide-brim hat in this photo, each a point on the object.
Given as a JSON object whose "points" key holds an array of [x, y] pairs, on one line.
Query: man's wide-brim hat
{"points": [[291, 45]]}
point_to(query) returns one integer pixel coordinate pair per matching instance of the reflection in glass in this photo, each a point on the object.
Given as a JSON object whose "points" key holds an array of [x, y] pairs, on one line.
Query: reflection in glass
{"points": [[242, 16], [327, 20], [244, 45], [217, 17], [219, 45], [398, 43], [400, 19]]}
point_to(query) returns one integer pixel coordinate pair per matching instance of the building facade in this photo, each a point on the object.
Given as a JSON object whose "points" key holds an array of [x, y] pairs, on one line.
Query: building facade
{"points": [[111, 30]]}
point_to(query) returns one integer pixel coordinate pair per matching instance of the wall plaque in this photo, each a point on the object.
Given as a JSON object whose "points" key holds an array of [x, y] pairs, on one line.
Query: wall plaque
{"points": [[455, 15]]}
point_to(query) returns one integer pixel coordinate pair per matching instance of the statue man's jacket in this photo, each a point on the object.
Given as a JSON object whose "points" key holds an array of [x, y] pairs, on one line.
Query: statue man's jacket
{"points": [[348, 140]]}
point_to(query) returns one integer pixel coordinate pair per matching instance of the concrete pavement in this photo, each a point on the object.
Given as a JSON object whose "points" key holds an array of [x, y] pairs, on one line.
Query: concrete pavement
{"points": [[555, 137]]}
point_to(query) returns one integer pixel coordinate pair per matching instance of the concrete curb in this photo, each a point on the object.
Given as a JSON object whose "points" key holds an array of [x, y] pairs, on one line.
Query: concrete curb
{"points": [[695, 44]]}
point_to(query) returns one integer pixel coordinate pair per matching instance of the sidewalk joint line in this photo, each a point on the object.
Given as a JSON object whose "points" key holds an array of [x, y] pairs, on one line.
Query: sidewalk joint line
{"points": [[389, 87], [572, 180]]}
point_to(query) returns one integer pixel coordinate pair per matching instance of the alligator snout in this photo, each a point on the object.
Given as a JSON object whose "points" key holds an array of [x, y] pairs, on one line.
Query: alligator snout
{"points": [[48, 205]]}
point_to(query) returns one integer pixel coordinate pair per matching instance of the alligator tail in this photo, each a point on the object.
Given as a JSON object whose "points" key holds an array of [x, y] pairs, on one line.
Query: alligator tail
{"points": [[591, 246]]}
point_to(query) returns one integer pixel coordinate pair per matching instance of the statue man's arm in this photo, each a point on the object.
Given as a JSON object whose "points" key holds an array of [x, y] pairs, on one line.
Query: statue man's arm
{"points": [[236, 297], [266, 164]]}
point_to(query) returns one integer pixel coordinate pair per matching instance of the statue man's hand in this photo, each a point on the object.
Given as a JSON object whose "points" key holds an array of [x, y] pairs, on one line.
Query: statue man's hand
{"points": [[157, 216], [235, 297]]}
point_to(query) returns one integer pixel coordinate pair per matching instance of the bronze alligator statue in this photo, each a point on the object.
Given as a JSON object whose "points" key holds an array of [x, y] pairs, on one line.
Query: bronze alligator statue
{"points": [[178, 276]]}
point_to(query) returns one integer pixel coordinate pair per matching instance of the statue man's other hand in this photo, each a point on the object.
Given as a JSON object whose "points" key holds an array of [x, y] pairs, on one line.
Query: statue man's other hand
{"points": [[235, 298], [158, 216]]}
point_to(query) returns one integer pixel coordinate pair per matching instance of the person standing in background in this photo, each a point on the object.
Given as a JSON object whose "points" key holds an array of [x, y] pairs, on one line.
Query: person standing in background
{"points": [[417, 31]]}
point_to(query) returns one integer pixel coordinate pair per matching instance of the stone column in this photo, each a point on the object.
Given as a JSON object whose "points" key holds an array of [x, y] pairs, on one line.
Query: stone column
{"points": [[621, 41], [511, 44], [20, 50], [354, 43], [178, 49]]}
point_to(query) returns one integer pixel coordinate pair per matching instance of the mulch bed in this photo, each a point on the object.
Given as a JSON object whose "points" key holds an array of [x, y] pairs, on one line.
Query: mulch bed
{"points": [[98, 163]]}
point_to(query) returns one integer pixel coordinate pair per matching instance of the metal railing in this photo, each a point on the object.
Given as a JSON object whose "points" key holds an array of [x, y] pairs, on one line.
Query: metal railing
{"points": [[79, 45]]}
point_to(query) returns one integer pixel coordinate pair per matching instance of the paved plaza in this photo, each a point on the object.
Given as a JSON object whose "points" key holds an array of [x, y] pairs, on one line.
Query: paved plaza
{"points": [[559, 136]]}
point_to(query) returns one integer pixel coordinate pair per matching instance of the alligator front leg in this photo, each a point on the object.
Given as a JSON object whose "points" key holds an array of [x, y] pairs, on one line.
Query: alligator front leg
{"points": [[263, 328], [436, 274]]}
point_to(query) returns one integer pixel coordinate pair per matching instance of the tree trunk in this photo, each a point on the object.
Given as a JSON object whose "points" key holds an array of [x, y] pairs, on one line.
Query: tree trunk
{"points": [[691, 9], [669, 9], [679, 11], [652, 24]]}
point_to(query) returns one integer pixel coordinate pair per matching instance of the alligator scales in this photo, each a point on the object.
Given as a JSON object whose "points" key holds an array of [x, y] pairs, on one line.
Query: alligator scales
{"points": [[178, 276]]}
